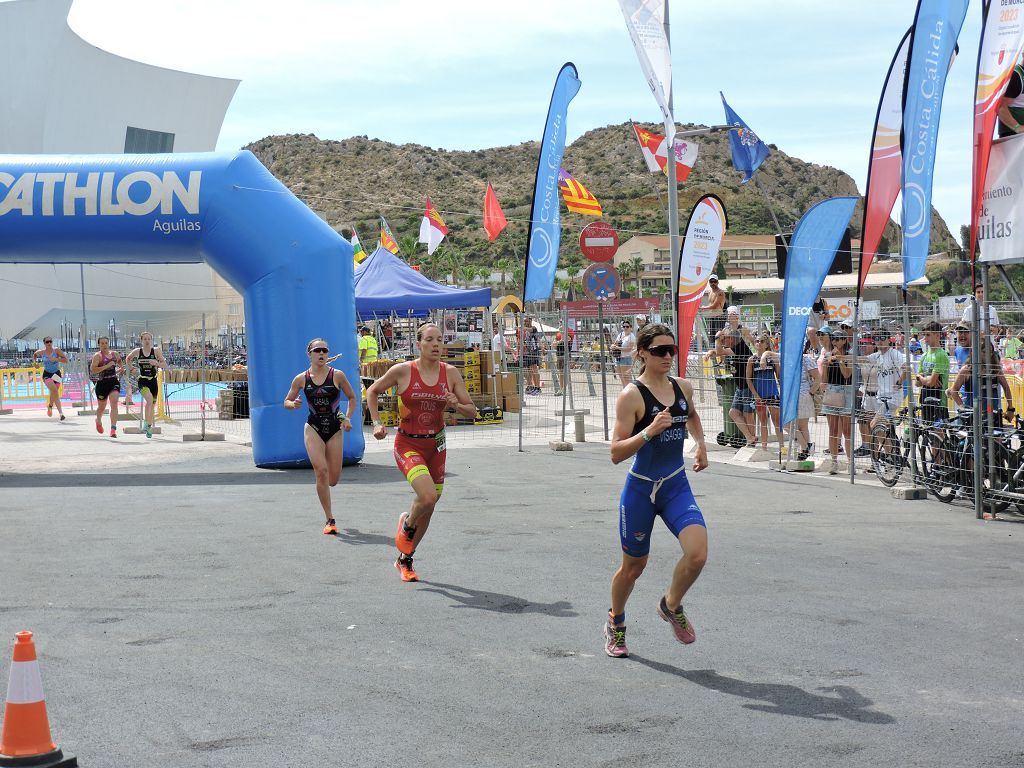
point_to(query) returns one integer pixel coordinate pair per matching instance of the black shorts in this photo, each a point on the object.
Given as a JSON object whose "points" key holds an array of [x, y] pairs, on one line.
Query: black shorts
{"points": [[531, 360], [151, 384], [325, 426], [51, 374], [105, 386]]}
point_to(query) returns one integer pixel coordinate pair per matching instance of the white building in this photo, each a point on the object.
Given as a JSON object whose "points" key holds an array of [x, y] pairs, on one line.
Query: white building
{"points": [[65, 96]]}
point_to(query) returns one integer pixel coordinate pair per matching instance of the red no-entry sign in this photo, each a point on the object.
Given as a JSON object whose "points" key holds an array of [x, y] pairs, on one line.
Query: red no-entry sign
{"points": [[599, 241]]}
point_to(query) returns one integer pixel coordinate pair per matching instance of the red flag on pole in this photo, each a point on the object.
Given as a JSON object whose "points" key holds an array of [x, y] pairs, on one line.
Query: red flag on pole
{"points": [[494, 217]]}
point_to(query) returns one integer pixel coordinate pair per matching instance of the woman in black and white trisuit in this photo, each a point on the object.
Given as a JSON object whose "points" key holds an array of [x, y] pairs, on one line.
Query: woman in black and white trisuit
{"points": [[326, 426], [106, 369], [149, 359], [52, 373], [653, 416]]}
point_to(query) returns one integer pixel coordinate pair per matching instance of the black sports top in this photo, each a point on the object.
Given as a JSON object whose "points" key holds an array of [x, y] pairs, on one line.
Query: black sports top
{"points": [[147, 364], [322, 399]]}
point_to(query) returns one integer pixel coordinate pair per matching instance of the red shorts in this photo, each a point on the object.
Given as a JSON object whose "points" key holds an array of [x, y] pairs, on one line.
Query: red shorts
{"points": [[418, 456]]}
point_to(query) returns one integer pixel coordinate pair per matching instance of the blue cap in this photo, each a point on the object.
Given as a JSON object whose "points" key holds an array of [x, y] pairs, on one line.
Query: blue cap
{"points": [[826, 330]]}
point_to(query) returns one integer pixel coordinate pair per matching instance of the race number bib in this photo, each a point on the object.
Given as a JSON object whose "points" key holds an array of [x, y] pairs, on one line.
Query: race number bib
{"points": [[439, 442]]}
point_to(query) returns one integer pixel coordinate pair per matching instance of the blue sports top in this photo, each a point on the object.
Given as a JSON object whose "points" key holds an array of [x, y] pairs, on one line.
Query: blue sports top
{"points": [[51, 362], [663, 455]]}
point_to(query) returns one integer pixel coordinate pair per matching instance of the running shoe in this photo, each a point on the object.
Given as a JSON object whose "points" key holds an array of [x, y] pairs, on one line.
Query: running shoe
{"points": [[681, 626], [149, 431], [49, 410], [331, 527], [113, 431], [99, 426], [62, 417], [833, 468], [862, 452], [405, 569], [403, 536], [615, 641]]}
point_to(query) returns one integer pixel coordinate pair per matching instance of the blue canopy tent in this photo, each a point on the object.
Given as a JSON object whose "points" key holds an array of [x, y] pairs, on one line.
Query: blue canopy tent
{"points": [[385, 284]]}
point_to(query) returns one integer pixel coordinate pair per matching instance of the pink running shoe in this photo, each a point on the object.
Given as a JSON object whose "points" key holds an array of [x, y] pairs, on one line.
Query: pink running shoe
{"points": [[615, 641], [681, 626], [99, 426]]}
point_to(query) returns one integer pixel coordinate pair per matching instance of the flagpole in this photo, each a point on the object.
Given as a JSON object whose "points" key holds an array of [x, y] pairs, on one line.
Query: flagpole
{"points": [[673, 188], [771, 210]]}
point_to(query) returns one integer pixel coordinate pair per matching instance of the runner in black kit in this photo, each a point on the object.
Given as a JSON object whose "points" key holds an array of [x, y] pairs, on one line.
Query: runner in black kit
{"points": [[149, 359], [653, 417], [325, 428], [106, 369]]}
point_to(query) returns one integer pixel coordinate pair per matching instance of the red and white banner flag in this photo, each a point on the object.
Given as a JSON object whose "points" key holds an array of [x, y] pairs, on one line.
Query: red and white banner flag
{"points": [[654, 148], [886, 163], [432, 228], [1002, 40], [697, 259]]}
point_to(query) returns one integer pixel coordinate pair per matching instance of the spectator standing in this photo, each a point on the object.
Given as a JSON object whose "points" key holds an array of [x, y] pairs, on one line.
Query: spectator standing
{"points": [[368, 349], [531, 347], [838, 391], [993, 316], [622, 350], [714, 309], [810, 384], [933, 376], [762, 374], [387, 336]]}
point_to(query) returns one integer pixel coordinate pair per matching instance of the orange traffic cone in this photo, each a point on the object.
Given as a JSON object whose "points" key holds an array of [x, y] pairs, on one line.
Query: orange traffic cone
{"points": [[25, 739]]}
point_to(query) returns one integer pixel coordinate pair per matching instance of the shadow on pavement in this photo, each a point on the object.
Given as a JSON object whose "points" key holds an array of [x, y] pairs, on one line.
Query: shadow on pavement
{"points": [[496, 601], [782, 699], [300, 476], [356, 537]]}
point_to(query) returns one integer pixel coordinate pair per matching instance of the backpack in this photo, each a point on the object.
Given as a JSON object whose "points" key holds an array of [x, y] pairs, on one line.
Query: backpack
{"points": [[532, 343]]}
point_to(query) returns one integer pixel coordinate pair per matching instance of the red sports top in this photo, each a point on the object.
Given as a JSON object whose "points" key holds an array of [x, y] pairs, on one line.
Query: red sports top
{"points": [[422, 407]]}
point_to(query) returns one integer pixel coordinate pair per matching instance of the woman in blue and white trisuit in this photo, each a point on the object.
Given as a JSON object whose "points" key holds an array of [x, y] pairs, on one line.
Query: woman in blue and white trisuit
{"points": [[654, 413], [52, 358]]}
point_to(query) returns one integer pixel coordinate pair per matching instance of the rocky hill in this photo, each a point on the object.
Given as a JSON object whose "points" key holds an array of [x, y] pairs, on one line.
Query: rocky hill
{"points": [[353, 181]]}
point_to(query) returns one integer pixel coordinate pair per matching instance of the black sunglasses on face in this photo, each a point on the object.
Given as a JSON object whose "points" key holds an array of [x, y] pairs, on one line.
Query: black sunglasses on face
{"points": [[47, 341], [664, 349], [323, 350]]}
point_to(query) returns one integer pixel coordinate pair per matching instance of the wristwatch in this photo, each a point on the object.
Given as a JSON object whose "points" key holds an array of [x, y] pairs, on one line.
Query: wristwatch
{"points": [[645, 436]]}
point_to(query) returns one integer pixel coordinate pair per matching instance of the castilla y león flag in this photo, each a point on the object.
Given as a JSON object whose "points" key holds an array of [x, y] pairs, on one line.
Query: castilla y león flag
{"points": [[432, 228], [494, 217]]}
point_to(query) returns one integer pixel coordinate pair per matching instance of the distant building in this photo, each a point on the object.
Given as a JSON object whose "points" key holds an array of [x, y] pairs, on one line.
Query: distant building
{"points": [[746, 256], [65, 96]]}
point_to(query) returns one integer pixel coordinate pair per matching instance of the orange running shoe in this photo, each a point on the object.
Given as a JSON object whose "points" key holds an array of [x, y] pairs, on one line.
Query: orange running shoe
{"points": [[405, 569], [99, 426], [331, 527], [403, 540], [49, 410]]}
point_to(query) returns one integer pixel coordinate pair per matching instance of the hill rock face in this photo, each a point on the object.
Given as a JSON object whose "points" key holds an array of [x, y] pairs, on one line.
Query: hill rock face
{"points": [[353, 181]]}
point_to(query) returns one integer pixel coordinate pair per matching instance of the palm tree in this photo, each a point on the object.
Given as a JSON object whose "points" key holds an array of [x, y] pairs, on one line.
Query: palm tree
{"points": [[506, 265], [574, 264], [517, 278], [407, 245], [484, 273], [468, 273], [636, 266]]}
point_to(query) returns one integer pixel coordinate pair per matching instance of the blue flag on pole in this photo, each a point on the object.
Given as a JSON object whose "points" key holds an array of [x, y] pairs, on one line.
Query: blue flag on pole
{"points": [[936, 28], [748, 151], [545, 215], [811, 252]]}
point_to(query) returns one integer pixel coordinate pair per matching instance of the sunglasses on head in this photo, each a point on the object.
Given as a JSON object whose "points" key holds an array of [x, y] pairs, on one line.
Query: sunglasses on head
{"points": [[664, 349], [322, 350]]}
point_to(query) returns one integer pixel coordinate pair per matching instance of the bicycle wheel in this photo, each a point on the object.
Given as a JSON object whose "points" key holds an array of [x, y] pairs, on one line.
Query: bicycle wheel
{"points": [[887, 457], [1002, 481], [940, 476]]}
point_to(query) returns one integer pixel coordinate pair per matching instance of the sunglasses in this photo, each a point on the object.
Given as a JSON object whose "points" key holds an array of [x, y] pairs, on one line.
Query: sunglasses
{"points": [[321, 350], [47, 341], [664, 349]]}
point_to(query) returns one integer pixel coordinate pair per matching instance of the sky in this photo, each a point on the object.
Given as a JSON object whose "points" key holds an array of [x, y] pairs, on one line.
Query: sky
{"points": [[458, 74]]}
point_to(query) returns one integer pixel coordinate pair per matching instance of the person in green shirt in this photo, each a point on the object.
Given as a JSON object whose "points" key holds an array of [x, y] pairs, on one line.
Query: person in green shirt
{"points": [[367, 346], [933, 376], [1014, 344]]}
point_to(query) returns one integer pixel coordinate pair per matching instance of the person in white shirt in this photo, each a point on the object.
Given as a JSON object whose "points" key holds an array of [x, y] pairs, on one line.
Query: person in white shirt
{"points": [[498, 348], [993, 316], [890, 367]]}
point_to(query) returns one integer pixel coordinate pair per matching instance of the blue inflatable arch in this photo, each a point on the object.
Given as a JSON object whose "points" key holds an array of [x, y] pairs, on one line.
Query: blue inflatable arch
{"points": [[293, 270]]}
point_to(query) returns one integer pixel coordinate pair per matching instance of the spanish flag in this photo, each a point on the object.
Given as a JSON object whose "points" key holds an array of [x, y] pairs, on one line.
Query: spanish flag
{"points": [[577, 198], [386, 238]]}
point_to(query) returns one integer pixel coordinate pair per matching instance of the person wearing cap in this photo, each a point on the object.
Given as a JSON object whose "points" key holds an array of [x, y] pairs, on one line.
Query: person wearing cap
{"points": [[733, 349], [641, 321], [714, 309], [52, 358], [368, 349]]}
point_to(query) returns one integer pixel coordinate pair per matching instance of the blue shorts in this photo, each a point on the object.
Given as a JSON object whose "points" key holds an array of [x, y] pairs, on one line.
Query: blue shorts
{"points": [[674, 503], [743, 400]]}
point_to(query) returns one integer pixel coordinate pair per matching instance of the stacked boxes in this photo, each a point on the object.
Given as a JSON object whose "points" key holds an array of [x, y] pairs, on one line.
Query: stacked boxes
{"points": [[226, 404], [471, 372]]}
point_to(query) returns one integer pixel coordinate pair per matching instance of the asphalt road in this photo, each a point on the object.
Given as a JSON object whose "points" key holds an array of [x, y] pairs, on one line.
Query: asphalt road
{"points": [[190, 612]]}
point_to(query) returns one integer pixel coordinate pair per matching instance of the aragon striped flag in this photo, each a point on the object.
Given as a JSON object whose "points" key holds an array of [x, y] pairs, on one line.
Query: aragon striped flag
{"points": [[577, 198], [386, 238]]}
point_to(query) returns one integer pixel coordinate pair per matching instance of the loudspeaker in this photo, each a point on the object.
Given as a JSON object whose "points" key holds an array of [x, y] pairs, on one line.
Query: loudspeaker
{"points": [[842, 261]]}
